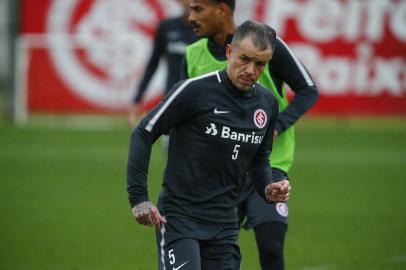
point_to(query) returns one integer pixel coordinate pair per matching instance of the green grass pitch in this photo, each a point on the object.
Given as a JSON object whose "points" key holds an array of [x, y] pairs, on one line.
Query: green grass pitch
{"points": [[63, 203]]}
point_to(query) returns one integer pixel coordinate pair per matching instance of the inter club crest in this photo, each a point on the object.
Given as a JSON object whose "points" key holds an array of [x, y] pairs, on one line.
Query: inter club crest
{"points": [[101, 46], [260, 118], [282, 209]]}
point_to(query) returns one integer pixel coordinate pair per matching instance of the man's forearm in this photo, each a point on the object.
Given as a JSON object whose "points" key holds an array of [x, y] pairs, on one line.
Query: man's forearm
{"points": [[261, 175], [137, 166], [301, 103]]}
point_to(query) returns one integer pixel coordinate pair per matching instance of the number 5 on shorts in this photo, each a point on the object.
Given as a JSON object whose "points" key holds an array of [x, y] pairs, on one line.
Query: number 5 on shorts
{"points": [[171, 257]]}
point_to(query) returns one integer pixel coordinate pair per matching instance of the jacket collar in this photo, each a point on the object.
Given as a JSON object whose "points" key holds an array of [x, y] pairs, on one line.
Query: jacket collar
{"points": [[234, 90]]}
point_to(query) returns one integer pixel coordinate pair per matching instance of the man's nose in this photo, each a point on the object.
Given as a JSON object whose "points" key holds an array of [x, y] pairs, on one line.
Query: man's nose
{"points": [[191, 16], [250, 68]]}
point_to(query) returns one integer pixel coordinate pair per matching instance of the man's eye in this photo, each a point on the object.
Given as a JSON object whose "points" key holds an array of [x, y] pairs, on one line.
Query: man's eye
{"points": [[244, 59], [196, 9], [260, 64]]}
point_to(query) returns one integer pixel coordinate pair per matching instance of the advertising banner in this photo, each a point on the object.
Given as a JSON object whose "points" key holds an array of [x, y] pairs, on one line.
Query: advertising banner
{"points": [[89, 55]]}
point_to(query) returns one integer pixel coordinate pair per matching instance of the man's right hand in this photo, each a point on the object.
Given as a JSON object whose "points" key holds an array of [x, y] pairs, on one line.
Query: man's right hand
{"points": [[147, 214], [135, 112]]}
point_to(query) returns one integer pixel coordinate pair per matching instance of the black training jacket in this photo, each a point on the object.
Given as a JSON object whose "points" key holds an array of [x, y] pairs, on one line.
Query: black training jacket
{"points": [[217, 135]]}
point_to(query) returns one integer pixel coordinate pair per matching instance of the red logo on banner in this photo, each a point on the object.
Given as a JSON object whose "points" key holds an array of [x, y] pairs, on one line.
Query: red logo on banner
{"points": [[91, 54], [101, 46]]}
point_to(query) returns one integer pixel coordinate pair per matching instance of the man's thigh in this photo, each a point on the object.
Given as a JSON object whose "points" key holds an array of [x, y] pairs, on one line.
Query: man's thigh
{"points": [[180, 254], [222, 251], [220, 256]]}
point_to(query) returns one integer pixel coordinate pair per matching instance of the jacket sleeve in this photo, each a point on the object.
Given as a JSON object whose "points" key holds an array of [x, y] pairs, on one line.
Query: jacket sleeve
{"points": [[172, 111], [157, 51], [288, 68], [260, 170]]}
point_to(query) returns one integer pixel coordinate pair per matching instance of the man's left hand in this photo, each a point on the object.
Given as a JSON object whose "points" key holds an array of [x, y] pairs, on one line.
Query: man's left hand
{"points": [[278, 191]]}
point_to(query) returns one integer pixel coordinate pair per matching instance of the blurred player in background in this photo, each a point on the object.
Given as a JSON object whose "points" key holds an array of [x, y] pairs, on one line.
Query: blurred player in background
{"points": [[213, 21], [171, 39], [222, 126]]}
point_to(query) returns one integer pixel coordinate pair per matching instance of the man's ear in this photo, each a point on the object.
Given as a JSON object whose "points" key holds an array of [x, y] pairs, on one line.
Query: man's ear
{"points": [[228, 50], [225, 9]]}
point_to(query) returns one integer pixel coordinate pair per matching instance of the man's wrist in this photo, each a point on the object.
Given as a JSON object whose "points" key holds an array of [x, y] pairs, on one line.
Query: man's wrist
{"points": [[134, 200]]}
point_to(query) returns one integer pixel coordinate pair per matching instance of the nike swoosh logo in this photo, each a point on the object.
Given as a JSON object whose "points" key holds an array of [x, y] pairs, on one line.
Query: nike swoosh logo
{"points": [[220, 112], [180, 266]]}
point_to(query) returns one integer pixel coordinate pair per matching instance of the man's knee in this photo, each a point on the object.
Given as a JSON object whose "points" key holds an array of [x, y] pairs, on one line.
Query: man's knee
{"points": [[270, 237]]}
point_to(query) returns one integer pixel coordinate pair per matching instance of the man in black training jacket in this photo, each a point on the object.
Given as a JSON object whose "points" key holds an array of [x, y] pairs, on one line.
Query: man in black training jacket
{"points": [[221, 126]]}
